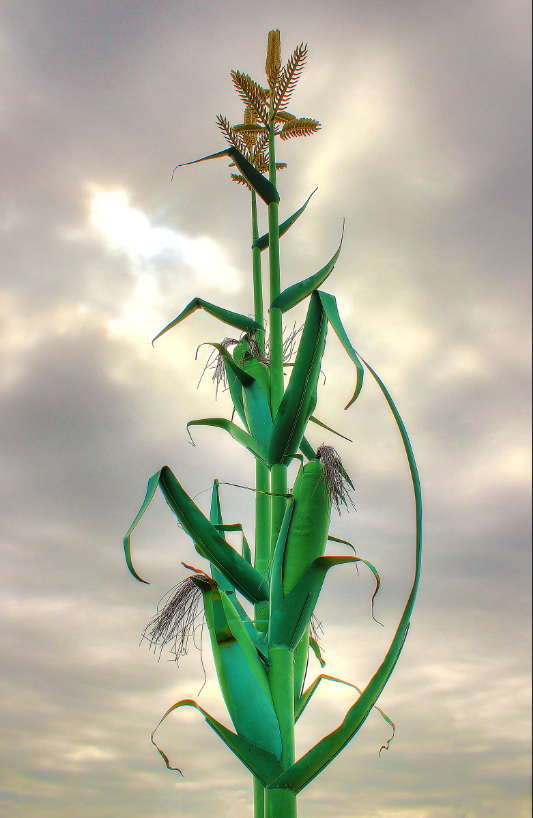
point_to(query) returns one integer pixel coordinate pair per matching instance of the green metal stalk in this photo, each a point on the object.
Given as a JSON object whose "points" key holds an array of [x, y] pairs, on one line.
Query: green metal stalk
{"points": [[279, 472], [262, 484], [280, 803], [257, 275], [259, 799]]}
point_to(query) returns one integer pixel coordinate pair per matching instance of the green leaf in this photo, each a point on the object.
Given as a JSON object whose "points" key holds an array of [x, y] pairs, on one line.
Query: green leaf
{"points": [[289, 620], [299, 399], [242, 376], [305, 698], [257, 411], [313, 762], [315, 647], [256, 180], [241, 634], [307, 449], [234, 319], [238, 434], [276, 574], [261, 763], [293, 295], [246, 579], [254, 717], [215, 518], [319, 423], [235, 390], [150, 491], [329, 303], [263, 242]]}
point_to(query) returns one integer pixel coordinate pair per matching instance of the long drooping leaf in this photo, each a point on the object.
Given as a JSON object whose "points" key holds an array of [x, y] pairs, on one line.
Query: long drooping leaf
{"points": [[234, 319], [263, 242], [245, 578], [313, 762], [299, 399], [293, 295], [256, 180], [329, 302], [264, 765], [242, 437]]}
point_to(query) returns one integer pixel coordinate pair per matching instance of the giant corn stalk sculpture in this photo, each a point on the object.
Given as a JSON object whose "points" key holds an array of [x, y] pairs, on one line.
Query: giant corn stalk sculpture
{"points": [[261, 662]]}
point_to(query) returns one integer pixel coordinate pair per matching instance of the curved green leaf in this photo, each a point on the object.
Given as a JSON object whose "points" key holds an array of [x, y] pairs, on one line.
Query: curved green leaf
{"points": [[307, 449], [238, 434], [254, 717], [261, 763], [293, 295], [276, 574], [304, 699], [150, 491], [315, 647], [329, 302], [234, 319], [313, 762], [289, 620], [257, 411], [246, 579], [299, 399], [262, 186], [306, 696], [263, 242]]}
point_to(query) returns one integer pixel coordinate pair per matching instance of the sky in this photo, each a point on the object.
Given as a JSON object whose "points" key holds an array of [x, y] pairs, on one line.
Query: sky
{"points": [[424, 151]]}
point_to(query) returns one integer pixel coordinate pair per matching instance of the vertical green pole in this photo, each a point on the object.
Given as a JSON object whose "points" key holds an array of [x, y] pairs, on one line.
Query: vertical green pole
{"points": [[280, 804], [279, 473], [262, 483]]}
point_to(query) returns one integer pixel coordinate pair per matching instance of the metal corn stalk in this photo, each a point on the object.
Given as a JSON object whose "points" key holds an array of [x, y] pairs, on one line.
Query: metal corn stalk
{"points": [[261, 662]]}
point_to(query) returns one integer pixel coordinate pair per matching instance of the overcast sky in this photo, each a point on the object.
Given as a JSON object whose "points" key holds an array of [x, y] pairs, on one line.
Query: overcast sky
{"points": [[425, 152]]}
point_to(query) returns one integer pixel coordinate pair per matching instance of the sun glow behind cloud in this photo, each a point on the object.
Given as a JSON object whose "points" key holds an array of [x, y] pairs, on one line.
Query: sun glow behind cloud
{"points": [[151, 250]]}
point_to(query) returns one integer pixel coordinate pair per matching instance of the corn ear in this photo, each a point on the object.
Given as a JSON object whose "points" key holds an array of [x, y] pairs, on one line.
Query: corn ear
{"points": [[309, 526]]}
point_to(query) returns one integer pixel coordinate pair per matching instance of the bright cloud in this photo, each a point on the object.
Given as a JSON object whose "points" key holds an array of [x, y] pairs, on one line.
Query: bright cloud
{"points": [[150, 249]]}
